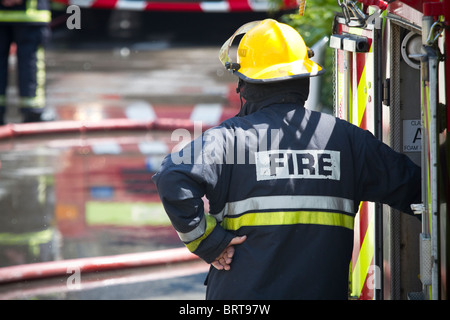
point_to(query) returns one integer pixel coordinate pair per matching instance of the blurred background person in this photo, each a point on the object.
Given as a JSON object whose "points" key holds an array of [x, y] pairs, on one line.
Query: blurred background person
{"points": [[25, 23]]}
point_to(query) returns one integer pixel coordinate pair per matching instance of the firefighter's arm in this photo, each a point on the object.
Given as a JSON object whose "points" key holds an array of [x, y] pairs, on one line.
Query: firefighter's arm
{"points": [[181, 188], [387, 176]]}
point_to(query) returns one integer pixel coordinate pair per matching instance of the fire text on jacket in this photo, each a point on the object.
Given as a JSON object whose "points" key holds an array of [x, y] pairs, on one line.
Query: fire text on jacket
{"points": [[297, 164]]}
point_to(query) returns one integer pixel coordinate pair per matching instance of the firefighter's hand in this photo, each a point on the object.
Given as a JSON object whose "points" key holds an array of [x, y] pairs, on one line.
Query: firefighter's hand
{"points": [[223, 261]]}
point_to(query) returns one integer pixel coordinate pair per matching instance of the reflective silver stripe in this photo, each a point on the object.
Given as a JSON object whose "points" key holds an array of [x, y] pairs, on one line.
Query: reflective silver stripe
{"points": [[272, 203], [286, 202], [196, 233]]}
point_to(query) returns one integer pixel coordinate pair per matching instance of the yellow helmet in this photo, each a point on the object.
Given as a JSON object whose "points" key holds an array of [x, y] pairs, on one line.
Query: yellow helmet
{"points": [[269, 51]]}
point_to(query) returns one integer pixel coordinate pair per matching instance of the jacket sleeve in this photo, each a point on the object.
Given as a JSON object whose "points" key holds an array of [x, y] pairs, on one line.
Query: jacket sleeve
{"points": [[181, 187], [386, 176]]}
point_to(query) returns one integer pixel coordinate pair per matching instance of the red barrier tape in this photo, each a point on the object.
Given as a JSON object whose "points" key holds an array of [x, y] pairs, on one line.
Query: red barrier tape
{"points": [[63, 267], [55, 127]]}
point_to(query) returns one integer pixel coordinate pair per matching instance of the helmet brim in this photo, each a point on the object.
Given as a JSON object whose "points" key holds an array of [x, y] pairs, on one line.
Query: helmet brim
{"points": [[284, 72]]}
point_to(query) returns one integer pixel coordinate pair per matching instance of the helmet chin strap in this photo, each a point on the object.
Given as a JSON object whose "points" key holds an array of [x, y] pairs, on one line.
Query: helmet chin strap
{"points": [[238, 90]]}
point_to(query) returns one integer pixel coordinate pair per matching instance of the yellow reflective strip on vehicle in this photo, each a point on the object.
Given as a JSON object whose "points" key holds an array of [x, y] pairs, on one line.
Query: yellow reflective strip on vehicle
{"points": [[210, 224], [426, 116], [30, 15], [340, 92], [365, 257], [349, 107], [361, 93], [363, 88], [288, 218], [136, 214]]}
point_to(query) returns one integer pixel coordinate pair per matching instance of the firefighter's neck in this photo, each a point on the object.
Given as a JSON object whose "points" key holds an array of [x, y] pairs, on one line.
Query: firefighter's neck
{"points": [[255, 97]]}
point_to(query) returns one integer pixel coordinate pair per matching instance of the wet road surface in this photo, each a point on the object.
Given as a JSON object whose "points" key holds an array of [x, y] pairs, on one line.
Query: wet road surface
{"points": [[75, 194]]}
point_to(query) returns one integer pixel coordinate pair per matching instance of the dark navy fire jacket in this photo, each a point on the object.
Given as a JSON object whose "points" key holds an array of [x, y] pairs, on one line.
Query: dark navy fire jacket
{"points": [[292, 180]]}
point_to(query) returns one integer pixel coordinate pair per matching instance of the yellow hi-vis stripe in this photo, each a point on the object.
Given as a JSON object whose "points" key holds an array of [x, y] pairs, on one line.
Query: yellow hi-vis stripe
{"points": [[30, 15], [38, 100], [32, 239], [289, 218], [210, 224]]}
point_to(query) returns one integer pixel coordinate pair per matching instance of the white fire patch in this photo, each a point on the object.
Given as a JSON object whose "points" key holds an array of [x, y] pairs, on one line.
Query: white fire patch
{"points": [[298, 164]]}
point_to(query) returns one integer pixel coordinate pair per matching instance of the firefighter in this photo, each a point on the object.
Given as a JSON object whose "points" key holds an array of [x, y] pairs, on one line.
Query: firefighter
{"points": [[25, 23], [284, 183]]}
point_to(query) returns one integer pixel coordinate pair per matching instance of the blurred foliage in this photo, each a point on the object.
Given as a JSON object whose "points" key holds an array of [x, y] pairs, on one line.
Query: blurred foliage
{"points": [[316, 22]]}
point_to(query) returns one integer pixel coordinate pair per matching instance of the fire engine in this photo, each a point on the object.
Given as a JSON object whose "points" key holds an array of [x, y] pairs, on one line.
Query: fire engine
{"points": [[390, 66]]}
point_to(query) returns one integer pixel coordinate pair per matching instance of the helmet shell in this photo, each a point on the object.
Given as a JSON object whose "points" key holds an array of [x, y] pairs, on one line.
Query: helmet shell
{"points": [[273, 51]]}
